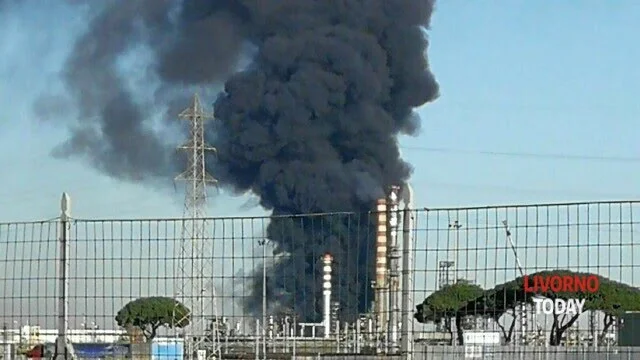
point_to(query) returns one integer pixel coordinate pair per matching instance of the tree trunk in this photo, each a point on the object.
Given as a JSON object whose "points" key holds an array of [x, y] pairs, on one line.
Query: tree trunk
{"points": [[504, 332], [510, 335], [608, 321], [555, 335], [459, 329], [447, 327], [507, 334], [557, 330]]}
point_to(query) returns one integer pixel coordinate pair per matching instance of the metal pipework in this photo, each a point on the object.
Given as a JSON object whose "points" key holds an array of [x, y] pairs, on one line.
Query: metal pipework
{"points": [[335, 309], [326, 294], [381, 266], [394, 269]]}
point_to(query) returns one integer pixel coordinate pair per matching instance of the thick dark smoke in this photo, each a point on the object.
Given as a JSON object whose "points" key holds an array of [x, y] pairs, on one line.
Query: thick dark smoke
{"points": [[309, 126], [198, 46]]}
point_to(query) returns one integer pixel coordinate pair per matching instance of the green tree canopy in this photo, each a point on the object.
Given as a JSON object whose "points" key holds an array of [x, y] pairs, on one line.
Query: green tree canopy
{"points": [[150, 313], [446, 303], [612, 297]]}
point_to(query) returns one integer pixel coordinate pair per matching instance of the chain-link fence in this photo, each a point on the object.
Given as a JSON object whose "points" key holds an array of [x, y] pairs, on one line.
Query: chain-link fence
{"points": [[529, 282], [485, 282]]}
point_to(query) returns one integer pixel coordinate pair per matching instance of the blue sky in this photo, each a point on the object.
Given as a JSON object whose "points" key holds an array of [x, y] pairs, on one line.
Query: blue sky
{"points": [[540, 77]]}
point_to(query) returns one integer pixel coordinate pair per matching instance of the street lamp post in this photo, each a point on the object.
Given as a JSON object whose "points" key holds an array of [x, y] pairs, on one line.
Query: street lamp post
{"points": [[455, 226]]}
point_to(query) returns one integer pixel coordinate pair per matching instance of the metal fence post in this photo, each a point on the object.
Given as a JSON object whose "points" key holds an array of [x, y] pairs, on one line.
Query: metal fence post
{"points": [[406, 345], [63, 351]]}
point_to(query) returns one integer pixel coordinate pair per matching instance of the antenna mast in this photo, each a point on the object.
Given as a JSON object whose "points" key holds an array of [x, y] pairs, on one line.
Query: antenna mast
{"points": [[195, 265]]}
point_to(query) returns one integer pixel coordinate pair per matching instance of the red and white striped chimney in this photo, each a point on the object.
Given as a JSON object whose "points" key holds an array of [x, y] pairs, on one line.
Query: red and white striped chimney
{"points": [[381, 263], [327, 259]]}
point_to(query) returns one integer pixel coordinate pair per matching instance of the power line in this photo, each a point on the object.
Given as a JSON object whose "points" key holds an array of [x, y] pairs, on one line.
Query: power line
{"points": [[554, 156], [510, 189]]}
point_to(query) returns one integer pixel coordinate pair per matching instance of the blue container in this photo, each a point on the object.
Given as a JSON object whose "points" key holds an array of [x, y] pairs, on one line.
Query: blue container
{"points": [[170, 349], [100, 350]]}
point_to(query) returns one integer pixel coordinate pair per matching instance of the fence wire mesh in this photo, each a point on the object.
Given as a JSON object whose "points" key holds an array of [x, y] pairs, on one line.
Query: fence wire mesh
{"points": [[269, 291], [537, 282]]}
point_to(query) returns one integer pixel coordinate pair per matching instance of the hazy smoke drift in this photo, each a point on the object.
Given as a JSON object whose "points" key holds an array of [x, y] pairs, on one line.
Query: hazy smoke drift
{"points": [[199, 46], [309, 126]]}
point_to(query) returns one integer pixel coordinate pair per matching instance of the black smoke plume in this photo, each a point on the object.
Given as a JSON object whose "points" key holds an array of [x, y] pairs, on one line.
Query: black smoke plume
{"points": [[310, 125]]}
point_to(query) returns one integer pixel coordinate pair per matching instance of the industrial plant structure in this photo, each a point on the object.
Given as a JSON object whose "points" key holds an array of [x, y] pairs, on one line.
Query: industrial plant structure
{"points": [[383, 330]]}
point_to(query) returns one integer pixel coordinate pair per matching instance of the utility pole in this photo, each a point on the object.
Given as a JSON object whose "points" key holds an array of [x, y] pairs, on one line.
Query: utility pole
{"points": [[195, 264]]}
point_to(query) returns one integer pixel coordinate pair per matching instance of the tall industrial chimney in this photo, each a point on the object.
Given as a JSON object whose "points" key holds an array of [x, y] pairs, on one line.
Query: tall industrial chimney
{"points": [[393, 269], [326, 294], [380, 295]]}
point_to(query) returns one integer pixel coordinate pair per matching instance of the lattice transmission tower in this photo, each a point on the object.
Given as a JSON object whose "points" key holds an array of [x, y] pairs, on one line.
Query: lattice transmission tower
{"points": [[196, 288]]}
